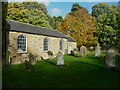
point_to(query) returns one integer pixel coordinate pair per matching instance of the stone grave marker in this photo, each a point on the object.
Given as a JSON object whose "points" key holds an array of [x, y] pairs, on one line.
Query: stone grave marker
{"points": [[97, 51], [110, 59], [60, 58], [83, 51], [32, 59], [50, 54]]}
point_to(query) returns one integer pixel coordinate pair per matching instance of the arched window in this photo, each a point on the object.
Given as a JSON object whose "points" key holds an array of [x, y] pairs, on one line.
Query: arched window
{"points": [[22, 43], [61, 44], [45, 43]]}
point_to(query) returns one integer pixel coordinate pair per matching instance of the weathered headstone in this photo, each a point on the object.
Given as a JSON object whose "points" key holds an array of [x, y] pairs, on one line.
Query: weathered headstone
{"points": [[83, 51], [97, 51], [110, 59], [28, 66], [75, 50], [32, 59], [60, 58], [72, 53], [50, 54]]}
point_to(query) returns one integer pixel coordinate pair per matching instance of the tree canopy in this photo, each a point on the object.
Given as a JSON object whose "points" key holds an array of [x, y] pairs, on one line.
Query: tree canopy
{"points": [[80, 25], [29, 12], [107, 24]]}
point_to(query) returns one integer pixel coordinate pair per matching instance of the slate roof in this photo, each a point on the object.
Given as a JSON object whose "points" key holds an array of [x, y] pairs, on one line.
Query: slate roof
{"points": [[32, 29], [70, 39]]}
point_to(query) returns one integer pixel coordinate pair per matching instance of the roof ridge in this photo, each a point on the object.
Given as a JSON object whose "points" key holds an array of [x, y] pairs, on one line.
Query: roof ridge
{"points": [[30, 24], [29, 28]]}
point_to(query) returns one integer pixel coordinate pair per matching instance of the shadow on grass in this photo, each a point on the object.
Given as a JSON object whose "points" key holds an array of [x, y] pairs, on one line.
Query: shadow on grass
{"points": [[98, 58], [99, 67], [48, 61], [104, 68]]}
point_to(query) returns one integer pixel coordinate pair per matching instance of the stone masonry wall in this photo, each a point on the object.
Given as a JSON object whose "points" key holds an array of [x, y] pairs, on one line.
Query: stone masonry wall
{"points": [[34, 46], [71, 46]]}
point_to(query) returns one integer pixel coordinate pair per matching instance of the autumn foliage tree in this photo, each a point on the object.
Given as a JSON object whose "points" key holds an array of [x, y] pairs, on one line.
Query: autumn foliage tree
{"points": [[80, 25]]}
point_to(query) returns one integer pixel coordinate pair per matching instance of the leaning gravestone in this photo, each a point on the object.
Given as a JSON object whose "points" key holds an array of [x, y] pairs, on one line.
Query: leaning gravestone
{"points": [[97, 51], [110, 59], [83, 51], [32, 59], [60, 58]]}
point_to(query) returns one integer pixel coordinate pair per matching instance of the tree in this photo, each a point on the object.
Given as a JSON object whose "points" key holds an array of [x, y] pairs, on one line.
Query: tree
{"points": [[75, 7], [81, 26], [57, 20], [29, 12], [99, 9], [4, 33], [107, 24], [118, 30]]}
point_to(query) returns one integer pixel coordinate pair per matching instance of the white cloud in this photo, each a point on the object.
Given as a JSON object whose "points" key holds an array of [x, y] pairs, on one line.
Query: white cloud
{"points": [[46, 3], [56, 11]]}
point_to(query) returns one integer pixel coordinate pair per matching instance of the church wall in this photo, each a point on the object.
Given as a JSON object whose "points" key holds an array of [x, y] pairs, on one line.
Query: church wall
{"points": [[34, 46]]}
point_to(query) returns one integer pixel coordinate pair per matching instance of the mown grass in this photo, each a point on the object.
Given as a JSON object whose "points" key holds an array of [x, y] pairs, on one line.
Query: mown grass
{"points": [[78, 72]]}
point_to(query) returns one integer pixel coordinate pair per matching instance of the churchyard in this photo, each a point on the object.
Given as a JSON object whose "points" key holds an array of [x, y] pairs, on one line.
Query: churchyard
{"points": [[88, 71], [81, 50]]}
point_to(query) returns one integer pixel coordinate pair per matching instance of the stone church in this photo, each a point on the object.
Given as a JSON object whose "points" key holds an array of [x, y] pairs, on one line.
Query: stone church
{"points": [[26, 38]]}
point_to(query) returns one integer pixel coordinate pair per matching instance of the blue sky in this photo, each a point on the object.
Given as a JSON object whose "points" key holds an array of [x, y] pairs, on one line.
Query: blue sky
{"points": [[62, 7]]}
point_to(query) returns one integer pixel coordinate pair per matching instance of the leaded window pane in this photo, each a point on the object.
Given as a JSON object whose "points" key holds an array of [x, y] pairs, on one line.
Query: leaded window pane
{"points": [[21, 43], [45, 44]]}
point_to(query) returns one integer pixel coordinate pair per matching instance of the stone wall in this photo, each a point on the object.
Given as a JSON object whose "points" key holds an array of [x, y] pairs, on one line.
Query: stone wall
{"points": [[71, 46], [34, 46]]}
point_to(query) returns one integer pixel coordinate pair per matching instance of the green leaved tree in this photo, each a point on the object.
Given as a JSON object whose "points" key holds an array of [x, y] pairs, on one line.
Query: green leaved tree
{"points": [[29, 12], [107, 24]]}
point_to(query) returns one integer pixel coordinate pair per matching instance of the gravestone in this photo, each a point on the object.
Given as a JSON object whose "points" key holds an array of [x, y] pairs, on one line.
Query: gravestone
{"points": [[50, 54], [110, 59], [75, 50], [97, 50], [60, 58], [83, 51], [72, 53], [32, 59], [28, 66]]}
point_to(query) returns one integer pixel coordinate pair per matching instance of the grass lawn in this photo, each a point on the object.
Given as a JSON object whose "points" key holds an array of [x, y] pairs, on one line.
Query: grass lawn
{"points": [[85, 72]]}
